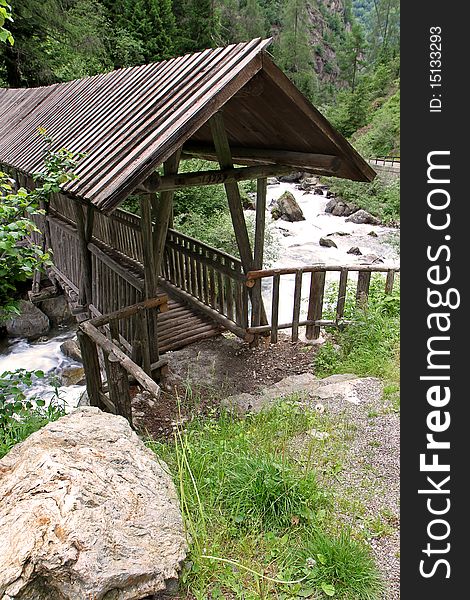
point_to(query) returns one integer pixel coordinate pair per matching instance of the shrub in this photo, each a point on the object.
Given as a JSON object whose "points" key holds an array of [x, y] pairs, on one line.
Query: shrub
{"points": [[20, 416]]}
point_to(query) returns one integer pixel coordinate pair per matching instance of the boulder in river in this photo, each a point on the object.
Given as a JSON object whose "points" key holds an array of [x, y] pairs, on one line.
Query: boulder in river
{"points": [[71, 349], [30, 323], [327, 242], [57, 309], [354, 250], [72, 376], [340, 208], [87, 512], [287, 209], [362, 217]]}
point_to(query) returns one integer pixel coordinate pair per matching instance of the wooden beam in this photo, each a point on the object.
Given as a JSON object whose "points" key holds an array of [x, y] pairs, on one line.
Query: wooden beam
{"points": [[163, 213], [163, 183], [353, 166], [224, 157], [150, 274], [324, 163], [85, 287], [260, 226], [134, 370]]}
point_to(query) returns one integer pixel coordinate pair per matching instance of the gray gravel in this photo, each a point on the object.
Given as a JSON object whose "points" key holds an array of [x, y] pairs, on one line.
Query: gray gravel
{"points": [[369, 433]]}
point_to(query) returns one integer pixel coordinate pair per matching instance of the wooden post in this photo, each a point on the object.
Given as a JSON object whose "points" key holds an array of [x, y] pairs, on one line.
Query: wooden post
{"points": [[362, 291], [275, 308], [92, 369], [389, 281], [118, 387], [297, 299], [151, 282], [342, 291], [315, 304], [163, 212], [85, 287], [224, 157], [260, 226]]}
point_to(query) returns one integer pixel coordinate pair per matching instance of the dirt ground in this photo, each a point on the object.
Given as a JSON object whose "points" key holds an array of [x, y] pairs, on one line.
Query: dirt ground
{"points": [[203, 373]]}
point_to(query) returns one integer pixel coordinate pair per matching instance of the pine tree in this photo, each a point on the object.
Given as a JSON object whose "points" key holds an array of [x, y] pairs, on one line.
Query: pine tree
{"points": [[198, 24], [254, 22], [351, 57], [293, 52], [152, 22]]}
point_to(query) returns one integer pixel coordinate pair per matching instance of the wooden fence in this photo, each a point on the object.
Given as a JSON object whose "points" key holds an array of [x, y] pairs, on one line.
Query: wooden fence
{"points": [[315, 300], [211, 276], [104, 354]]}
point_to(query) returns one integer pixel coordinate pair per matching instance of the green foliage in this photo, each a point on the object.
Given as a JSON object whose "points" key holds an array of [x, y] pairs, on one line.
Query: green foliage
{"points": [[381, 197], [369, 346], [152, 23], [20, 416], [382, 136], [5, 15], [18, 261], [293, 51], [258, 521]]}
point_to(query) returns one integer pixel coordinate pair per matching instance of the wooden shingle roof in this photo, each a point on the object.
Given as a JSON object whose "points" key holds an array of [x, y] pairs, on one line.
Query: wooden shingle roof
{"points": [[131, 120]]}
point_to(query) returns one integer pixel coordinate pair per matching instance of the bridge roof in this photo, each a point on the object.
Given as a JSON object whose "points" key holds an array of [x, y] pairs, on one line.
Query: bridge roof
{"points": [[131, 120]]}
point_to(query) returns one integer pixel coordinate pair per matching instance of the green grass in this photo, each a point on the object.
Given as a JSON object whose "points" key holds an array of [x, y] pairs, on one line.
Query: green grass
{"points": [[259, 520], [369, 346]]}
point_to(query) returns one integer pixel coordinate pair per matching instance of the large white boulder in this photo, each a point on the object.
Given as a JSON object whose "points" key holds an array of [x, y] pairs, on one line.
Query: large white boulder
{"points": [[87, 512]]}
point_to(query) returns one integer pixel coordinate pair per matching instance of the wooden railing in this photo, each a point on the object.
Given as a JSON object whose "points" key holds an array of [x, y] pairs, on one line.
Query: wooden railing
{"points": [[313, 320], [385, 160], [212, 277], [104, 354]]}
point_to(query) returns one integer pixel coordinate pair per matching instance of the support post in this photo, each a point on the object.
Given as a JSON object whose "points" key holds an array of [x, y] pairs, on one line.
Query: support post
{"points": [[224, 157], [163, 212], [92, 369], [260, 226], [84, 230], [118, 387], [151, 281]]}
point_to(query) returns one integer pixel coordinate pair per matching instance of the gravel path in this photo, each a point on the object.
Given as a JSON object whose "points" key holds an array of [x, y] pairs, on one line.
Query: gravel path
{"points": [[366, 442]]}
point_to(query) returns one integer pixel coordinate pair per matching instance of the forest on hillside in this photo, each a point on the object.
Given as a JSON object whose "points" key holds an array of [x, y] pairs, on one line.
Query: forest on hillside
{"points": [[342, 54]]}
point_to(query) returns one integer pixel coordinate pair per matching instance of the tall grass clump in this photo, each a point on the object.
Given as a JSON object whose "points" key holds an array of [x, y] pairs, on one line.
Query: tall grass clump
{"points": [[259, 523], [369, 345]]}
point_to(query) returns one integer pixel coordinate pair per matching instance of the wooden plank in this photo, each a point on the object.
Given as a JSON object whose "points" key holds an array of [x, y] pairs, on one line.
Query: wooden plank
{"points": [[118, 387], [206, 310], [296, 311], [160, 301], [108, 347], [214, 177], [275, 307], [92, 369], [252, 275], [390, 281], [327, 163], [115, 266], [220, 293], [85, 285], [315, 303], [342, 291], [164, 212], [362, 290]]}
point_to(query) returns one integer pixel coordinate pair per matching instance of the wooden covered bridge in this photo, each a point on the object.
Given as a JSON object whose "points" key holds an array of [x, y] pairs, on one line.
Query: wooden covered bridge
{"points": [[140, 288]]}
